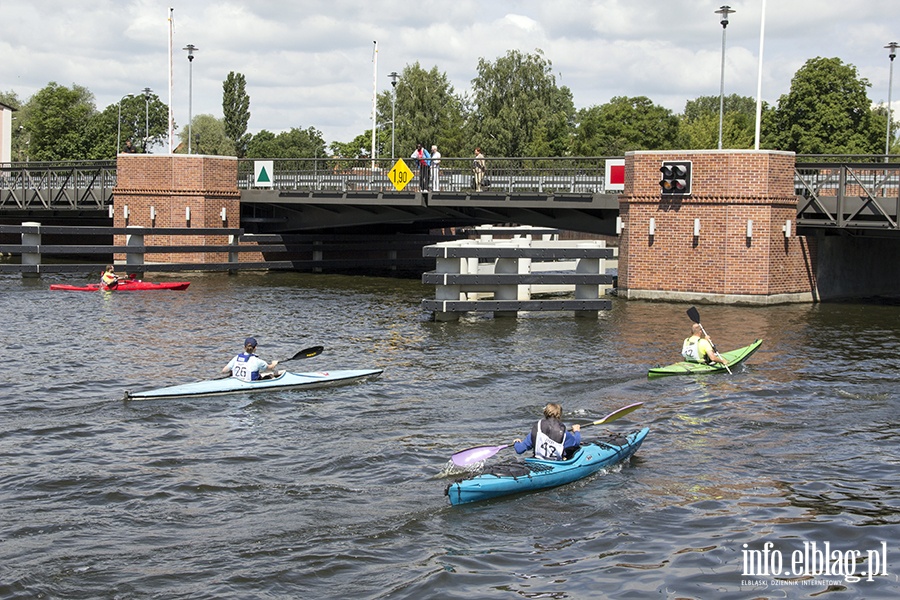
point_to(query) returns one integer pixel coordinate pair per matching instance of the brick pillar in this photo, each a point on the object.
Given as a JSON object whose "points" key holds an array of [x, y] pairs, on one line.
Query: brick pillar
{"points": [[721, 264], [159, 188]]}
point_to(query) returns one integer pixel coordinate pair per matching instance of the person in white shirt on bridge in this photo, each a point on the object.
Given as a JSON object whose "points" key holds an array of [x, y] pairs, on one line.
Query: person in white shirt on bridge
{"points": [[435, 169]]}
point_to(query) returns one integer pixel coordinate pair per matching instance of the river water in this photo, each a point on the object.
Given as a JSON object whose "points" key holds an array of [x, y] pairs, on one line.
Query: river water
{"points": [[339, 493]]}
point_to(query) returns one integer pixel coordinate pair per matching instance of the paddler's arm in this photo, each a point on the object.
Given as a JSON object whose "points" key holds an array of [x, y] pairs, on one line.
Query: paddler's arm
{"points": [[712, 354]]}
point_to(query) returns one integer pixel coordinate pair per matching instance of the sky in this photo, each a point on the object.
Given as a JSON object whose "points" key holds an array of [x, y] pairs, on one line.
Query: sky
{"points": [[313, 63]]}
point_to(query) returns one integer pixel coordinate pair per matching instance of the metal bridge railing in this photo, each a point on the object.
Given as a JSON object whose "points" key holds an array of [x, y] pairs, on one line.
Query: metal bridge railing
{"points": [[75, 185], [543, 175], [848, 195]]}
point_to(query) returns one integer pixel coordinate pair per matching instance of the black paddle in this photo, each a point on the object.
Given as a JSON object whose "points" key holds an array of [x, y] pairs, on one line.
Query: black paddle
{"points": [[306, 353], [470, 456], [694, 315]]}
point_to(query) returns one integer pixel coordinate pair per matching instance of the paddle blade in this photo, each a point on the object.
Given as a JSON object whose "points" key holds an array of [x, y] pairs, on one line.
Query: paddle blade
{"points": [[617, 414], [693, 314], [307, 353], [470, 456]]}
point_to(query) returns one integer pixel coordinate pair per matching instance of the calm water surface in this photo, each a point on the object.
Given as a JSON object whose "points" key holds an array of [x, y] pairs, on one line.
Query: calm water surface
{"points": [[339, 493]]}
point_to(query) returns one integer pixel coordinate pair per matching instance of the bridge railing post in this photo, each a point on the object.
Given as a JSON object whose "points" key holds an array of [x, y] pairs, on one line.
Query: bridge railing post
{"points": [[32, 238], [134, 261]]}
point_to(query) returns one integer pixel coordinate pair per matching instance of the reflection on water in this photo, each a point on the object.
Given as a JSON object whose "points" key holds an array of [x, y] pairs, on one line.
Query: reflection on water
{"points": [[339, 492]]}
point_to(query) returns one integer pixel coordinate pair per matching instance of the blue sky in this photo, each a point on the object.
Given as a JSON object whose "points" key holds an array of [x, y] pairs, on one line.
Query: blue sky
{"points": [[309, 63]]}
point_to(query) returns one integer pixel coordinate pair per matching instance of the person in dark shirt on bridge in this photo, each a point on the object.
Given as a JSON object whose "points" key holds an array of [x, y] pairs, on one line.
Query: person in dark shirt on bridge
{"points": [[129, 148], [424, 161]]}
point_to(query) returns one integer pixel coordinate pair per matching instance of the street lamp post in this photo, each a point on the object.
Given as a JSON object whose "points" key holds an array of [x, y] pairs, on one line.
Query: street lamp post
{"points": [[146, 91], [393, 77], [190, 50], [119, 123], [892, 53], [724, 11]]}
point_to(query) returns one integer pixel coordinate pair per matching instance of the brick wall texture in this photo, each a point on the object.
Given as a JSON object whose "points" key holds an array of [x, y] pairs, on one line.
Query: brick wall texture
{"points": [[728, 189], [170, 184]]}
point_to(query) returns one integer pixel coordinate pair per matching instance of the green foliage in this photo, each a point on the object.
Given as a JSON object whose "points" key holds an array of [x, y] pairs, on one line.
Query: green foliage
{"points": [[236, 108], [699, 126], [209, 137], [826, 111], [427, 111], [622, 125], [517, 108], [296, 143], [58, 123]]}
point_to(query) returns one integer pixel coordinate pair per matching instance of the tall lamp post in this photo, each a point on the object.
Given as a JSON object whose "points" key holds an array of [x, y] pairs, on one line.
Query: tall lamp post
{"points": [[190, 50], [892, 53], [394, 78], [119, 123], [146, 91], [724, 11]]}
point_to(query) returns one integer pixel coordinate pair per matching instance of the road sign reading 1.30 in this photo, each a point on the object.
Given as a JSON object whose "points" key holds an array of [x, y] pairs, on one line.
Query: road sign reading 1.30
{"points": [[400, 175]]}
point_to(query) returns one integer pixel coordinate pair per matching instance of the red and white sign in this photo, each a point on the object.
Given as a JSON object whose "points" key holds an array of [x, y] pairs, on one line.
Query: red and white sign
{"points": [[615, 175]]}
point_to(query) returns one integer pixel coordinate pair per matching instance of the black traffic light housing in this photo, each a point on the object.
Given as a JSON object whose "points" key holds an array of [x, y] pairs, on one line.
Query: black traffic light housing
{"points": [[676, 178]]}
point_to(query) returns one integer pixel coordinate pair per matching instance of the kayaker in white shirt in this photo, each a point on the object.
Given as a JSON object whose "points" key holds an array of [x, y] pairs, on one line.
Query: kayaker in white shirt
{"points": [[247, 366], [549, 437]]}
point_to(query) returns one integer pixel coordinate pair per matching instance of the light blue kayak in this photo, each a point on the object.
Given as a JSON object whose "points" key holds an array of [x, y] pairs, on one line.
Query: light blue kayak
{"points": [[535, 474], [232, 385]]}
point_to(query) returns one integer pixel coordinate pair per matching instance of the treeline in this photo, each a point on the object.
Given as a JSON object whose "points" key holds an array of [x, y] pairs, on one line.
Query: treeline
{"points": [[515, 108]]}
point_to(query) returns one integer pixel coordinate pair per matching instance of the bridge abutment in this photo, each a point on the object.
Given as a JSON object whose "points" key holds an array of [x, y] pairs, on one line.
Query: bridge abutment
{"points": [[732, 240], [177, 190]]}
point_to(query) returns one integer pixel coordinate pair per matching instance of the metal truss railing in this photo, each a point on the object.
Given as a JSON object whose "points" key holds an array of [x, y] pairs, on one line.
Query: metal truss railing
{"points": [[861, 196], [77, 185]]}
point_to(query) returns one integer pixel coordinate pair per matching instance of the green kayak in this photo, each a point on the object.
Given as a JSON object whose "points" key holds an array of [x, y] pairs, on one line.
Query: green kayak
{"points": [[734, 358]]}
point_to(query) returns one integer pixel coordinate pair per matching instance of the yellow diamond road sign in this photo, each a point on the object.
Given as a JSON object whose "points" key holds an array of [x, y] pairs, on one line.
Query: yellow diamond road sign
{"points": [[400, 175]]}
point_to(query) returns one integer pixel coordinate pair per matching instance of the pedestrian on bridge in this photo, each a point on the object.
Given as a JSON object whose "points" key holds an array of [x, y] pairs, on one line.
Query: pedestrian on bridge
{"points": [[435, 169], [423, 159], [479, 166]]}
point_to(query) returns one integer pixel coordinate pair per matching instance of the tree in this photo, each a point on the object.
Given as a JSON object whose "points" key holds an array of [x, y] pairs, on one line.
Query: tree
{"points": [[296, 143], [107, 129], [427, 111], [517, 108], [624, 124], [209, 137], [236, 108], [826, 111], [699, 125], [59, 119]]}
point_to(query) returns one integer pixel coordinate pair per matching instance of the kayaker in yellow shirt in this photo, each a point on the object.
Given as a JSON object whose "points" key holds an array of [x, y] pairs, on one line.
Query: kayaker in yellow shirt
{"points": [[110, 280], [698, 347]]}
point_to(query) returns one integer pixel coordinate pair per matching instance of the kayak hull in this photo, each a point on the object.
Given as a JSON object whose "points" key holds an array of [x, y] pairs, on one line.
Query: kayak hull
{"points": [[232, 385], [734, 358], [540, 474], [125, 285]]}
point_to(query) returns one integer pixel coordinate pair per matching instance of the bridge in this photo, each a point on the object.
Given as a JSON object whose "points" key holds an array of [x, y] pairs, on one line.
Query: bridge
{"points": [[842, 194]]}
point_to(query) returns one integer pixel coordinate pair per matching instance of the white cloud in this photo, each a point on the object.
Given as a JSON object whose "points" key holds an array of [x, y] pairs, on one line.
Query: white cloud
{"points": [[309, 63]]}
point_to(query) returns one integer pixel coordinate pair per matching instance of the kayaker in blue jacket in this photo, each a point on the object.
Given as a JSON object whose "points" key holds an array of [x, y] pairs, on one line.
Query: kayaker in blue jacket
{"points": [[549, 437], [247, 366], [698, 347]]}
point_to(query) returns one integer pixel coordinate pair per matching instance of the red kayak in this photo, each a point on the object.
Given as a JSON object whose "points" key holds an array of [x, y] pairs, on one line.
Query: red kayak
{"points": [[124, 285]]}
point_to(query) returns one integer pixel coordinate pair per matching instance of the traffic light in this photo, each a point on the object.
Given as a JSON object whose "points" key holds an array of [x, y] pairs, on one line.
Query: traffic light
{"points": [[676, 177]]}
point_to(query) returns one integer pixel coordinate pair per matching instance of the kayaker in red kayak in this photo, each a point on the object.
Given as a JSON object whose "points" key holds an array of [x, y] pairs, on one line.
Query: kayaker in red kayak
{"points": [[247, 366], [698, 347], [110, 280], [549, 437]]}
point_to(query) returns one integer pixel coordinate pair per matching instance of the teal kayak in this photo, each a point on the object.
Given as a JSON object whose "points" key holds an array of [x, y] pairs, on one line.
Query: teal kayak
{"points": [[534, 474], [734, 358], [231, 385]]}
